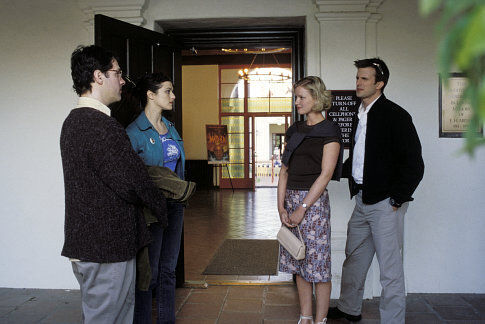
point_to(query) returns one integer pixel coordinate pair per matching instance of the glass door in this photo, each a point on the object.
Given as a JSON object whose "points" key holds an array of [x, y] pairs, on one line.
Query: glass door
{"points": [[232, 105], [246, 101]]}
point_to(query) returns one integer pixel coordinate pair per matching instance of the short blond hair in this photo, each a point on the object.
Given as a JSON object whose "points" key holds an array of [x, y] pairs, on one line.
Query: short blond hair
{"points": [[318, 91]]}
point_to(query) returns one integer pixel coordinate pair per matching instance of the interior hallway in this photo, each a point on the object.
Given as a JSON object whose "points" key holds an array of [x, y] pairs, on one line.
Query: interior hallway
{"points": [[215, 215]]}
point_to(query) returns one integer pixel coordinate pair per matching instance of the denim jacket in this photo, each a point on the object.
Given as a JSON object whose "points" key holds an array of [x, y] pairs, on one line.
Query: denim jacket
{"points": [[146, 142]]}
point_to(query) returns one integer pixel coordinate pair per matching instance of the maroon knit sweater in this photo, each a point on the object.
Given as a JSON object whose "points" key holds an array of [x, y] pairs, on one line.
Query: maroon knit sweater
{"points": [[106, 185]]}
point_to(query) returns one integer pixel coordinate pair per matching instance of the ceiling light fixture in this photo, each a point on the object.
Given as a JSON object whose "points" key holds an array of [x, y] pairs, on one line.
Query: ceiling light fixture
{"points": [[253, 51], [259, 74]]}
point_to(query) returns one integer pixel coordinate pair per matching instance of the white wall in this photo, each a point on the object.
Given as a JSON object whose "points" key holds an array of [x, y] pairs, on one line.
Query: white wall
{"points": [[444, 243], [37, 39]]}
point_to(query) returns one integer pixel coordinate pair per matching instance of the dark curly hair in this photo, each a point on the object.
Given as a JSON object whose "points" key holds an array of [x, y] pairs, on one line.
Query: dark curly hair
{"points": [[382, 72], [152, 82], [84, 61]]}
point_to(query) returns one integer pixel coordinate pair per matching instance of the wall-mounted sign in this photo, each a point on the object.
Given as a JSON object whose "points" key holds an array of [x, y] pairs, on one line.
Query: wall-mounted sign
{"points": [[217, 144], [453, 120], [344, 106]]}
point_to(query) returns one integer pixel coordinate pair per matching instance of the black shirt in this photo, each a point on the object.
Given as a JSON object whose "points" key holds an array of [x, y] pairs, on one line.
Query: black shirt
{"points": [[305, 164]]}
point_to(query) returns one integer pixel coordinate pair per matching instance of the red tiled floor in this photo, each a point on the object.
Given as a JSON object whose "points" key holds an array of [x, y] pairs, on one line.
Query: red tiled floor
{"points": [[240, 318], [245, 292], [200, 311], [281, 312], [204, 298], [213, 216], [253, 305], [288, 297]]}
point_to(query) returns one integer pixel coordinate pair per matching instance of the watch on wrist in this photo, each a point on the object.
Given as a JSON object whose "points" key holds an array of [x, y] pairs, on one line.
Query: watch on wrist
{"points": [[394, 203]]}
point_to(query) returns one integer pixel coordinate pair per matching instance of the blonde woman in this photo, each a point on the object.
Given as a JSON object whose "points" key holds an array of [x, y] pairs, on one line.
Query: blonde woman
{"points": [[312, 156]]}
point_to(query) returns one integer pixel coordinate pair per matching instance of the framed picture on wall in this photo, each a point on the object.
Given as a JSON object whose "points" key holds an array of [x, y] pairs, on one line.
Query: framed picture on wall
{"points": [[453, 120]]}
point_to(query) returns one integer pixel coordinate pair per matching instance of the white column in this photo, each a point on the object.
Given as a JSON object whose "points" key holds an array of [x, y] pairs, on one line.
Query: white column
{"points": [[342, 40], [129, 11], [371, 35]]}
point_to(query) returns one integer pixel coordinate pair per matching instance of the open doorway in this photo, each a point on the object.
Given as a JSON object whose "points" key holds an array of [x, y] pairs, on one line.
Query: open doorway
{"points": [[208, 100], [268, 145], [252, 100], [231, 50]]}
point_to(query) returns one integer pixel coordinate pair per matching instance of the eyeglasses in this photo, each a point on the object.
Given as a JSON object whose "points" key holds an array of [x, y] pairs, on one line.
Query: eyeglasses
{"points": [[117, 72], [129, 80], [378, 67]]}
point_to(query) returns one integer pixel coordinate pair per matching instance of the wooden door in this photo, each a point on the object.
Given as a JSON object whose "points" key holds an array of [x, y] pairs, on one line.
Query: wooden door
{"points": [[140, 51]]}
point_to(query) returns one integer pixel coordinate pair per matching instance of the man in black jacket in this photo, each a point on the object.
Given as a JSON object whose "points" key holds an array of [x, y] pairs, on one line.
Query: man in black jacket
{"points": [[384, 168], [106, 185]]}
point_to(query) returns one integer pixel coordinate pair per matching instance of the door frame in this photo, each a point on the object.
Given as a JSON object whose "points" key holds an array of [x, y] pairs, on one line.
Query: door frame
{"points": [[247, 37]]}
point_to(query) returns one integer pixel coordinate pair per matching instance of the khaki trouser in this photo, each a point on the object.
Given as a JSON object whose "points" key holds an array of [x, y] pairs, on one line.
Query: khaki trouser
{"points": [[378, 229]]}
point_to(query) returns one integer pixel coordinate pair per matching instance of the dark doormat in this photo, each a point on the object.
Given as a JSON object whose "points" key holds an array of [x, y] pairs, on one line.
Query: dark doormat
{"points": [[245, 257]]}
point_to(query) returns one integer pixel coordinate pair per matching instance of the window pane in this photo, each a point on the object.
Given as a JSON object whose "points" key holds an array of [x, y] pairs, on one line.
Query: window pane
{"points": [[236, 155], [258, 89], [281, 89], [235, 124], [232, 90], [229, 75], [258, 104], [236, 140], [232, 105], [280, 104], [236, 171]]}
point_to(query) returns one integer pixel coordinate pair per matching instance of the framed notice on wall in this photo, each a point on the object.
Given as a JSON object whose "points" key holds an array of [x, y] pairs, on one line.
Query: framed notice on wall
{"points": [[217, 144], [453, 121], [344, 106]]}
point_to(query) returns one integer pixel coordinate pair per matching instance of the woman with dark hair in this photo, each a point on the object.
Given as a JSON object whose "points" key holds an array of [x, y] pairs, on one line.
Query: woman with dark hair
{"points": [[157, 142], [312, 156]]}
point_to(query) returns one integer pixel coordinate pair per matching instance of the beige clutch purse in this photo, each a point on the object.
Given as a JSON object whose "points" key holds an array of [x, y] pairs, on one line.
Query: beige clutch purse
{"points": [[291, 243]]}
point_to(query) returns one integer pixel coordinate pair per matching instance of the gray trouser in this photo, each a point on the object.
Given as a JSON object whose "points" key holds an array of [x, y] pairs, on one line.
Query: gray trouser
{"points": [[375, 228], [107, 291]]}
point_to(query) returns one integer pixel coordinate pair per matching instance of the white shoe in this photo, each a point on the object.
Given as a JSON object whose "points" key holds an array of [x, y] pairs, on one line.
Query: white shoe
{"points": [[324, 321], [302, 317]]}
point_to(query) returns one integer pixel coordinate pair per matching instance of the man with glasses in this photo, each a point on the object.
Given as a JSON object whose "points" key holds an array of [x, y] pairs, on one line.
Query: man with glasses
{"points": [[384, 168], [106, 185]]}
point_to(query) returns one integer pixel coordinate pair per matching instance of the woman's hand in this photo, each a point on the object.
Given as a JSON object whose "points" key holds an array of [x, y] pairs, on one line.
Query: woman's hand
{"points": [[284, 218], [297, 216]]}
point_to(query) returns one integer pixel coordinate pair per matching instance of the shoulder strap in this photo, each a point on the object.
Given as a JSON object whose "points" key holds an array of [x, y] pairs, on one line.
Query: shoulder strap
{"points": [[291, 146]]}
